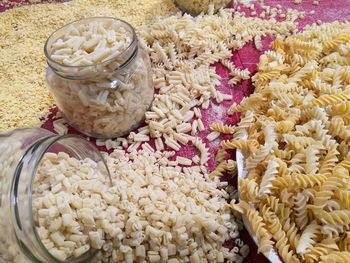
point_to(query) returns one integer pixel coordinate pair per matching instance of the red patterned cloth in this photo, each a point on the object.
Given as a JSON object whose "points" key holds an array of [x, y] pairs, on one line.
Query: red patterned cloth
{"points": [[247, 57]]}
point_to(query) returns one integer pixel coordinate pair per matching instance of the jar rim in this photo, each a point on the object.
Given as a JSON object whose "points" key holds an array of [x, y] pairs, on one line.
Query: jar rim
{"points": [[132, 43], [50, 141]]}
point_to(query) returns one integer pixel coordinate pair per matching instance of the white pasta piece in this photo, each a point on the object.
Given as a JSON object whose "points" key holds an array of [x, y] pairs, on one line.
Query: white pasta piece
{"points": [[63, 51], [56, 188], [159, 144], [206, 104], [141, 138], [171, 250], [213, 136], [96, 240], [227, 97], [196, 159], [172, 144], [60, 126], [147, 147], [154, 258], [188, 116], [140, 251], [203, 150], [60, 255], [195, 258], [164, 253], [200, 125], [100, 142], [111, 144], [151, 115], [197, 112], [194, 127], [183, 161], [232, 108], [58, 238], [181, 137], [177, 114], [123, 141], [129, 257], [81, 250], [219, 97], [159, 112], [67, 220], [184, 128], [258, 43]]}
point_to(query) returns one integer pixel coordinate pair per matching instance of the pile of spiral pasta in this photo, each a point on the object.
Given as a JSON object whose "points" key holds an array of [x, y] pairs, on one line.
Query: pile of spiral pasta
{"points": [[183, 49], [295, 134]]}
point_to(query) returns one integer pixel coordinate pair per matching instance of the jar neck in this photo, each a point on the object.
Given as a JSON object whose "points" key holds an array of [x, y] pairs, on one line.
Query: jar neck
{"points": [[121, 64], [117, 63]]}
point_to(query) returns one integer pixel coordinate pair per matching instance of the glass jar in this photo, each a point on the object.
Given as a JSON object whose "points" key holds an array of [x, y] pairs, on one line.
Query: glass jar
{"points": [[195, 7], [107, 99], [21, 153]]}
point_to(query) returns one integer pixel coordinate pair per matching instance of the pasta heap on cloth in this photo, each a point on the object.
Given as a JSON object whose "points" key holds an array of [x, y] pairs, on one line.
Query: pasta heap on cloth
{"points": [[152, 213], [296, 195], [183, 49]]}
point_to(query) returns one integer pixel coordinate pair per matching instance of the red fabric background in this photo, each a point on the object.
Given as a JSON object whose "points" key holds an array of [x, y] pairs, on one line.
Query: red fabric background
{"points": [[247, 57]]}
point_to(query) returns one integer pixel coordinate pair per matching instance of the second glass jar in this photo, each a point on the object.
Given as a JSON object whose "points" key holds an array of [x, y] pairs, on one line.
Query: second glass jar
{"points": [[195, 7], [107, 99]]}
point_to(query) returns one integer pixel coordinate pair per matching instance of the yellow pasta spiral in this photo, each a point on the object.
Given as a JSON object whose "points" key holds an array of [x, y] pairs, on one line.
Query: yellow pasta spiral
{"points": [[279, 208], [331, 44], [286, 125], [344, 197], [248, 189], [219, 170], [231, 168], [292, 233], [327, 190], [263, 78], [245, 145], [283, 154], [306, 180], [337, 217], [274, 226], [336, 257], [329, 161], [278, 43], [220, 156], [340, 108], [315, 253], [301, 213], [298, 142], [336, 128], [223, 128], [259, 228], [330, 99], [345, 242]]}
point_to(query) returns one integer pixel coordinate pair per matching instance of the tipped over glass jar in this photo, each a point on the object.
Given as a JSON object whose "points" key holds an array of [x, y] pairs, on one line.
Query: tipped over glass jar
{"points": [[99, 76], [195, 7], [23, 151]]}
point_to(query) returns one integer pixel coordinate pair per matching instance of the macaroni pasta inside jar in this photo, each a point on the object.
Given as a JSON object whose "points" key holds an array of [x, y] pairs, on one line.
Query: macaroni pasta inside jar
{"points": [[99, 76]]}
